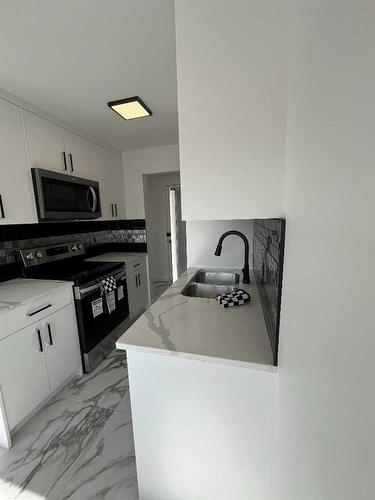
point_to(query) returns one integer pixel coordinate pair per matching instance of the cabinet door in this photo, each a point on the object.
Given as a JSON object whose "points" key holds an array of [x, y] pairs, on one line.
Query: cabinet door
{"points": [[79, 156], [117, 187], [61, 341], [142, 288], [23, 373], [108, 169], [45, 142], [15, 178], [137, 292], [132, 286]]}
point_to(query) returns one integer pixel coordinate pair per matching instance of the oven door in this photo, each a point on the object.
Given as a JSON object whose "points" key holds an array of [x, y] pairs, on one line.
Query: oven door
{"points": [[95, 319], [64, 197]]}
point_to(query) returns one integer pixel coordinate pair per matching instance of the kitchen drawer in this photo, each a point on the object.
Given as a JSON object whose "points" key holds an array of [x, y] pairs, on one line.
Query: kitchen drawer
{"points": [[34, 310], [135, 265]]}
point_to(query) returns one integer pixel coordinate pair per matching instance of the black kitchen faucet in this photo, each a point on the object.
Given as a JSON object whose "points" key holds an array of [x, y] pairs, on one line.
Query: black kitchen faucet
{"points": [[245, 270]]}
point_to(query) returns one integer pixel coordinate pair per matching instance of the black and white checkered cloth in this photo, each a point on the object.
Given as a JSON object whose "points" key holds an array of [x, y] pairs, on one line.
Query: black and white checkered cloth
{"points": [[108, 285], [235, 298]]}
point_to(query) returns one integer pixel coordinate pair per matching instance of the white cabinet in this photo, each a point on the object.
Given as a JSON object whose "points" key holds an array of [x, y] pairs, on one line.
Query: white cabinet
{"points": [[79, 155], [17, 198], [108, 171], [45, 142], [36, 360], [23, 373], [30, 141], [60, 346], [137, 283], [232, 156]]}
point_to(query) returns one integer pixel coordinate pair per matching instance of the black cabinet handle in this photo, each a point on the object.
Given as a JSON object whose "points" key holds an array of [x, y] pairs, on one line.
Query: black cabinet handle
{"points": [[64, 160], [49, 334], [112, 210], [139, 279], [2, 213], [71, 162], [136, 281], [32, 313], [39, 340], [115, 209]]}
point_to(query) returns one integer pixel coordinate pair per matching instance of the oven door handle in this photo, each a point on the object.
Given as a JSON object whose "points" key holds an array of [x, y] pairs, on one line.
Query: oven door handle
{"points": [[94, 205], [82, 292]]}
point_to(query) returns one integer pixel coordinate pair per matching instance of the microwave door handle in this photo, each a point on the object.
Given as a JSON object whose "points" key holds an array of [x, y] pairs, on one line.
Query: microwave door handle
{"points": [[94, 198]]}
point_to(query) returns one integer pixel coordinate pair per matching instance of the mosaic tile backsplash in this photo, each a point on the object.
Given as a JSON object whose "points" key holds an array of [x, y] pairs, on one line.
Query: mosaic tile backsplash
{"points": [[268, 257], [97, 236]]}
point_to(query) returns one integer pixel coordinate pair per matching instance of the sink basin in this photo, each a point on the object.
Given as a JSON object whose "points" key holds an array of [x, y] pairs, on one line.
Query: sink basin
{"points": [[205, 290], [217, 277], [208, 283]]}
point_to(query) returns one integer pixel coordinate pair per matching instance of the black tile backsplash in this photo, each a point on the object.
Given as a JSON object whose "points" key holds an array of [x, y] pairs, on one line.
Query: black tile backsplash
{"points": [[97, 236], [268, 257]]}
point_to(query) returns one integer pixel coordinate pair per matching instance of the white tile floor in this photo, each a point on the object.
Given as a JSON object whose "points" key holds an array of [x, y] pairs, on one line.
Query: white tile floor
{"points": [[79, 446]]}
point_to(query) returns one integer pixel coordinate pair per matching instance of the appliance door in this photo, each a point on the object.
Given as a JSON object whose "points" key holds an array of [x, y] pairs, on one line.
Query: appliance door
{"points": [[64, 197], [95, 321]]}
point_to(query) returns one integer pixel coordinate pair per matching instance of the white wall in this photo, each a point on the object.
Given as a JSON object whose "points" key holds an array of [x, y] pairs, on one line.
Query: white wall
{"points": [[157, 223], [231, 76], [144, 161], [325, 407], [202, 238]]}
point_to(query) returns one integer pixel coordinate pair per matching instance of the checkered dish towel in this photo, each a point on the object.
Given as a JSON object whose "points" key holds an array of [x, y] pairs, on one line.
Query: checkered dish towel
{"points": [[108, 285], [235, 298]]}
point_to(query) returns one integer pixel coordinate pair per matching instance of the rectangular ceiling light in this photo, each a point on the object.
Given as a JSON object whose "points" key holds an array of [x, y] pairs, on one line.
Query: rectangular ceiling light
{"points": [[130, 108]]}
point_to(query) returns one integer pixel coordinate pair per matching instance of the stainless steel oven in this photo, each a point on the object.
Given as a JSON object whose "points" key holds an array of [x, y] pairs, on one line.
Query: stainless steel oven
{"points": [[96, 323], [65, 197]]}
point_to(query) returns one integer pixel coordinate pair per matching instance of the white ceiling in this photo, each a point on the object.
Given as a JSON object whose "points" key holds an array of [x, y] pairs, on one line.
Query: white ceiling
{"points": [[70, 57]]}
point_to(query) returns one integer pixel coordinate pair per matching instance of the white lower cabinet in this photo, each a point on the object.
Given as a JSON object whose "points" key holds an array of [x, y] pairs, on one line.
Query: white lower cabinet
{"points": [[60, 346], [34, 362], [137, 288], [23, 373]]}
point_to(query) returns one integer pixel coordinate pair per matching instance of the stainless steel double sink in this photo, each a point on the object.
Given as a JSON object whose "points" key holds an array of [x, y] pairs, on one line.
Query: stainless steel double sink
{"points": [[208, 283]]}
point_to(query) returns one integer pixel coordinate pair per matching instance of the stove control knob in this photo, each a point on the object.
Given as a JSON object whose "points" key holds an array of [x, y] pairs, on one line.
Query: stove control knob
{"points": [[80, 247], [30, 256], [74, 248], [38, 254]]}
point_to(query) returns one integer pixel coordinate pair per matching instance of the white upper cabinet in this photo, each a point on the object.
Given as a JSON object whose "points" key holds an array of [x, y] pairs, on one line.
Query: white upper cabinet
{"points": [[232, 86], [30, 141], [108, 170], [79, 154], [15, 178], [45, 142]]}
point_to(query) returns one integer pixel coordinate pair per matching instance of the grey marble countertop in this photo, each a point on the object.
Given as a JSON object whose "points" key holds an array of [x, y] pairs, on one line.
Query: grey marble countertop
{"points": [[19, 291], [198, 328]]}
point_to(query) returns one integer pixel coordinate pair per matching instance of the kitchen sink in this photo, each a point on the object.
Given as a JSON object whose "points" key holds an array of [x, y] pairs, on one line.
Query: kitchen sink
{"points": [[208, 284], [217, 278]]}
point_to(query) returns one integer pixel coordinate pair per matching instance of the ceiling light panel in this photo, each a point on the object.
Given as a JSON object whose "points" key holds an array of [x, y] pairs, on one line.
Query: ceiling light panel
{"points": [[130, 108]]}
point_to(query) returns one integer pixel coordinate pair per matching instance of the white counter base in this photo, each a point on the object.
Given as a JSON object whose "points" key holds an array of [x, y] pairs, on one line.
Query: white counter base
{"points": [[203, 431]]}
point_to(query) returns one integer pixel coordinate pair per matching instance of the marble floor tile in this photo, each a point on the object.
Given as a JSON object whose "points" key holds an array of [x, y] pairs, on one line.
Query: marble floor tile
{"points": [[79, 446], [105, 386], [107, 470], [47, 447]]}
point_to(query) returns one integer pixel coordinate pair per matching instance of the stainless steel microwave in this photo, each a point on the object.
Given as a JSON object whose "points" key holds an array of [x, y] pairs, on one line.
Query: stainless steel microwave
{"points": [[65, 197]]}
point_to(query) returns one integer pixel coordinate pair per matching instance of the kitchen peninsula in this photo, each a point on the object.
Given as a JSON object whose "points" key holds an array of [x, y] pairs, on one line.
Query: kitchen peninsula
{"points": [[202, 381]]}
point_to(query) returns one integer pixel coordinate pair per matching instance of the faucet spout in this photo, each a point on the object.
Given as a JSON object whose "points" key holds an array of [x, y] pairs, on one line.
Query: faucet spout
{"points": [[245, 270]]}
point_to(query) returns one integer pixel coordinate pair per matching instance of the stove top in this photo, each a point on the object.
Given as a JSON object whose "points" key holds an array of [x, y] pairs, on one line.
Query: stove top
{"points": [[64, 262]]}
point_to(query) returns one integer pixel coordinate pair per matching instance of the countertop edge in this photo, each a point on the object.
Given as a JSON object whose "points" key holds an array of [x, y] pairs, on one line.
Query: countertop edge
{"points": [[198, 357]]}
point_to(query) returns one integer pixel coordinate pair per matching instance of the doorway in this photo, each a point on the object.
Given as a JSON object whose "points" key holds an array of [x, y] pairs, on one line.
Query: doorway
{"points": [[166, 231]]}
